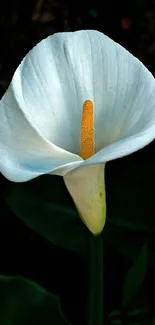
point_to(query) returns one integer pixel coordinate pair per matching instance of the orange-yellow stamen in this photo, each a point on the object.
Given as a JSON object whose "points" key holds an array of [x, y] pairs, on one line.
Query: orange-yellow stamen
{"points": [[87, 143]]}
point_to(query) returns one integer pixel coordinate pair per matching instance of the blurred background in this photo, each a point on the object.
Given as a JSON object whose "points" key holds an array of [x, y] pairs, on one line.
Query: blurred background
{"points": [[22, 25]]}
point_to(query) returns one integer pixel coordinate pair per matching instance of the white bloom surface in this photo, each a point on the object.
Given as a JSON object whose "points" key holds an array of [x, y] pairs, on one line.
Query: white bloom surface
{"points": [[40, 113]]}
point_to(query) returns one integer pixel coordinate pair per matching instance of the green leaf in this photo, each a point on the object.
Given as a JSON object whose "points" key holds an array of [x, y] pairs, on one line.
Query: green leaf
{"points": [[45, 206], [135, 277], [133, 317], [137, 312], [141, 316], [23, 302], [114, 317]]}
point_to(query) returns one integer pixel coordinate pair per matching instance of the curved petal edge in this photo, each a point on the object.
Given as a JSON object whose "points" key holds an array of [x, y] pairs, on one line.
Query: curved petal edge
{"points": [[87, 188]]}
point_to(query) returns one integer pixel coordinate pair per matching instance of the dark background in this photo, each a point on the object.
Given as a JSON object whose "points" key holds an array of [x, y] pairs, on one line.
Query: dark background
{"points": [[22, 25], [25, 23]]}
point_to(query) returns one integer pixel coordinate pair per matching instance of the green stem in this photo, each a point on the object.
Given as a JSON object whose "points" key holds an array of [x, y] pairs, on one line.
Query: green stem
{"points": [[95, 292]]}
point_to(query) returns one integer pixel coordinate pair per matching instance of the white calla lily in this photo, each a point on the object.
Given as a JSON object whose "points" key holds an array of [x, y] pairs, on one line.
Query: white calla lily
{"points": [[41, 112]]}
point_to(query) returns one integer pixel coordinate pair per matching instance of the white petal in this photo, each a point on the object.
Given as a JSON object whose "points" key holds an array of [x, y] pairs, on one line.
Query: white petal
{"points": [[122, 148], [124, 99], [40, 114], [24, 152], [49, 87], [86, 186]]}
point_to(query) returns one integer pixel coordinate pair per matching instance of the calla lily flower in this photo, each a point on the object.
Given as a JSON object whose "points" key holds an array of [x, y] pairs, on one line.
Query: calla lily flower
{"points": [[76, 101]]}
